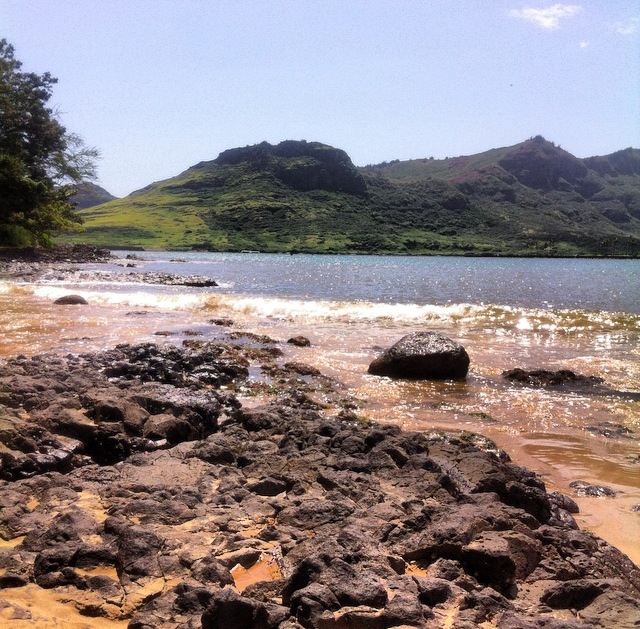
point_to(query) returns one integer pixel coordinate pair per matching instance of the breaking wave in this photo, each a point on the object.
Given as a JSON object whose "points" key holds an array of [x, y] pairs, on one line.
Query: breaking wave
{"points": [[489, 316]]}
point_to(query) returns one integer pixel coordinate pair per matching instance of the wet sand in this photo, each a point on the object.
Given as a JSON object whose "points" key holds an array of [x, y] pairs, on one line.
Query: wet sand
{"points": [[547, 432]]}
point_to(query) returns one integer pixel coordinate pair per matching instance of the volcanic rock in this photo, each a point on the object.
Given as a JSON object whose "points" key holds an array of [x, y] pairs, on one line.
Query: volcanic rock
{"points": [[279, 515], [547, 378], [423, 356], [299, 341], [71, 300]]}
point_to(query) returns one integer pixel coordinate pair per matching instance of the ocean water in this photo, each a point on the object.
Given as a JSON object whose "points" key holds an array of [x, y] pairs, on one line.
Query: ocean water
{"points": [[576, 314]]}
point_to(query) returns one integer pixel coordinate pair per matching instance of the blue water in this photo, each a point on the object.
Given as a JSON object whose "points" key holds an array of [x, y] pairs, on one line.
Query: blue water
{"points": [[574, 314], [584, 284]]}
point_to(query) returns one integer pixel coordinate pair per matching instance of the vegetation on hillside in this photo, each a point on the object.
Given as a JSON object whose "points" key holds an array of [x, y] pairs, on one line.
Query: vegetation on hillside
{"points": [[39, 159], [531, 199], [88, 194]]}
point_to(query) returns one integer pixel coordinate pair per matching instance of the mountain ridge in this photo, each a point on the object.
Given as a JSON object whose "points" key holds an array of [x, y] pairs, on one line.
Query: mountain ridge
{"points": [[89, 194], [532, 198]]}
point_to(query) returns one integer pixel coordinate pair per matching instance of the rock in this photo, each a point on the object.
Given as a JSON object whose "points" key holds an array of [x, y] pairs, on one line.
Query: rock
{"points": [[210, 570], [582, 488], [192, 599], [229, 609], [316, 520], [268, 486], [434, 591], [611, 430], [71, 300], [546, 378], [478, 607], [564, 502], [245, 557], [498, 559], [170, 279], [11, 580], [169, 427], [613, 609], [222, 322], [299, 341], [404, 606], [575, 594], [199, 282], [423, 356], [309, 603], [302, 369]]}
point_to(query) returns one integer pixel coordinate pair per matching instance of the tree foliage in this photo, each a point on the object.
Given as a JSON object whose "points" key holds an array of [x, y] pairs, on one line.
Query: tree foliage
{"points": [[40, 162]]}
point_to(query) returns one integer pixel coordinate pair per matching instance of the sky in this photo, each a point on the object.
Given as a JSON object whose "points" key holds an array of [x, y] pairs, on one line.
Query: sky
{"points": [[160, 85]]}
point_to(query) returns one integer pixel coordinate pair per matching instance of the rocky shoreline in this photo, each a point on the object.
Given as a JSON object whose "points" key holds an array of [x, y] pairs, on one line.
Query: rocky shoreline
{"points": [[215, 484], [46, 264]]}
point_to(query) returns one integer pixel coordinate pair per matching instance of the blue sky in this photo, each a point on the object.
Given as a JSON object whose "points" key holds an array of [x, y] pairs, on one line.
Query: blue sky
{"points": [[159, 85]]}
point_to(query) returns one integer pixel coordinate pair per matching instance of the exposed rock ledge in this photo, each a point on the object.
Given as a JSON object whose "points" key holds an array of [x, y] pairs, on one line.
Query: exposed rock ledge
{"points": [[139, 490]]}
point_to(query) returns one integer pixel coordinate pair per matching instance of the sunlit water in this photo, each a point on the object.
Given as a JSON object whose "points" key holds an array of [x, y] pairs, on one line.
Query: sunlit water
{"points": [[582, 315]]}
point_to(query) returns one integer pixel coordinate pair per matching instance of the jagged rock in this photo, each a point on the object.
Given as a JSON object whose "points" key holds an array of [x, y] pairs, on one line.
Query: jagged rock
{"points": [[547, 378], [229, 609], [423, 356], [575, 594], [342, 523], [222, 322], [497, 559], [199, 282], [612, 609], [587, 489]]}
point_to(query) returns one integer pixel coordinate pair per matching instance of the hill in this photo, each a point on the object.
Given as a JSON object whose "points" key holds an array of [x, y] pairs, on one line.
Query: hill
{"points": [[89, 194], [529, 199]]}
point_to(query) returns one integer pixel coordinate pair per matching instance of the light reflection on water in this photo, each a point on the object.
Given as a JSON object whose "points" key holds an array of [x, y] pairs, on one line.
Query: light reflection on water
{"points": [[549, 431]]}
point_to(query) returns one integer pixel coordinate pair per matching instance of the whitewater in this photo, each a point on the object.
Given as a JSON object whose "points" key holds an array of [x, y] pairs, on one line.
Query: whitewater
{"points": [[582, 315]]}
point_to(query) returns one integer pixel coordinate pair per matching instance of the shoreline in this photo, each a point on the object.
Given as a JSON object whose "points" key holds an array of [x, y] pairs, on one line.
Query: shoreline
{"points": [[199, 484], [140, 249]]}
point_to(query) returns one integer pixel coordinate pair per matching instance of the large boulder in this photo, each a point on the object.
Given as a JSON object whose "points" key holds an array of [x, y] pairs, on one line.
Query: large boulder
{"points": [[423, 356], [71, 300]]}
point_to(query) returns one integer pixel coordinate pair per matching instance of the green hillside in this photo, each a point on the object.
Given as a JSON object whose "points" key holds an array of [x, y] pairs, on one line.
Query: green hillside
{"points": [[529, 199]]}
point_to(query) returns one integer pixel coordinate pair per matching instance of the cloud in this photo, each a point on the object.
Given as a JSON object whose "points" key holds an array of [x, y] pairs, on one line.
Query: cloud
{"points": [[629, 27], [584, 44], [548, 18]]}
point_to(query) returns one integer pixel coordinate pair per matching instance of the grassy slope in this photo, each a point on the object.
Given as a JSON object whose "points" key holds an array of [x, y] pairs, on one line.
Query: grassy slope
{"points": [[467, 205]]}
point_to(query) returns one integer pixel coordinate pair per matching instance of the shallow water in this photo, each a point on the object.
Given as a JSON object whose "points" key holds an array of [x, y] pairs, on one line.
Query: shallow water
{"points": [[556, 314]]}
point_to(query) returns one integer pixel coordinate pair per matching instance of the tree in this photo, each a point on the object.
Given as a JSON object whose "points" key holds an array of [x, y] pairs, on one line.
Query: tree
{"points": [[40, 162]]}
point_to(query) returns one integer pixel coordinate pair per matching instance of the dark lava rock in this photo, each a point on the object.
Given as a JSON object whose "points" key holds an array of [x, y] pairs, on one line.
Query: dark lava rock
{"points": [[546, 378], [573, 594], [199, 282], [299, 341], [168, 493], [171, 279], [423, 356], [583, 488], [229, 609], [567, 380], [611, 430], [222, 322], [71, 300]]}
